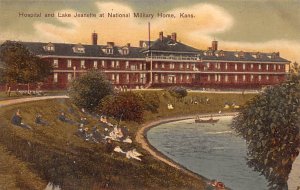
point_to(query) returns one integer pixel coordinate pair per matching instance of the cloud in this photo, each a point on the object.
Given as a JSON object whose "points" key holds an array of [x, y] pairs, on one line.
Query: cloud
{"points": [[199, 31]]}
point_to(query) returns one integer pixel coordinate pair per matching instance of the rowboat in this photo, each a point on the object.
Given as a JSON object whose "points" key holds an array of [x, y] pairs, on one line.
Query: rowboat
{"points": [[210, 120]]}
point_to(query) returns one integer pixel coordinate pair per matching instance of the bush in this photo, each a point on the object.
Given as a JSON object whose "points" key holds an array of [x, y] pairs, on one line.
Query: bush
{"points": [[269, 125], [124, 106], [178, 92], [151, 101], [87, 90]]}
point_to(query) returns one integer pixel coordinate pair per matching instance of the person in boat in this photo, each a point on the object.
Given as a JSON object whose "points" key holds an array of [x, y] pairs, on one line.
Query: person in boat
{"points": [[17, 120]]}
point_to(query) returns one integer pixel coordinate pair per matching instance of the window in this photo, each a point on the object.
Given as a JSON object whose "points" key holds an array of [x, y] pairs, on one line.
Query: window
{"points": [[251, 66], [55, 77], [69, 63], [117, 64], [156, 65], [274, 67], [267, 77], [208, 77], [187, 65], [187, 77], [226, 66], [163, 65], [259, 66], [102, 63], [251, 77], [279, 67], [216, 77], [235, 78], [141, 66], [127, 78], [109, 51], [82, 64], [112, 64], [49, 47], [155, 78], [117, 78], [235, 66], [226, 78], [181, 66], [172, 65], [70, 77], [193, 67], [244, 78], [244, 66], [162, 78], [95, 64], [259, 77], [127, 64], [267, 67], [181, 78], [112, 77], [78, 49], [55, 63]]}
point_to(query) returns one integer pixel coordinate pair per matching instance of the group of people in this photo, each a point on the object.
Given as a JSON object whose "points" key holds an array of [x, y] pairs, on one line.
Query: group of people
{"points": [[110, 133]]}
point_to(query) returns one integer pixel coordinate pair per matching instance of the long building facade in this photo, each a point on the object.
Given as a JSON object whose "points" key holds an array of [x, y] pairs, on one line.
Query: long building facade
{"points": [[161, 63]]}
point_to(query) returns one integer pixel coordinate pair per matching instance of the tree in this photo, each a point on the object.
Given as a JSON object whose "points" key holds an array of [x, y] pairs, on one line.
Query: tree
{"points": [[19, 65], [269, 124], [295, 68], [87, 90], [123, 106]]}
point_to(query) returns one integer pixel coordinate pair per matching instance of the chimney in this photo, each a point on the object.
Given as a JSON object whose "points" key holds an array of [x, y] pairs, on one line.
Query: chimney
{"points": [[214, 45], [128, 44], [161, 36], [111, 44], [169, 36], [94, 38], [174, 36]]}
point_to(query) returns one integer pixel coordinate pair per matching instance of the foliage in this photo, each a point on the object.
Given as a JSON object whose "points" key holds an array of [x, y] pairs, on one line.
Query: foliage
{"points": [[178, 92], [87, 90], [126, 106], [150, 100], [295, 68], [18, 65], [269, 125]]}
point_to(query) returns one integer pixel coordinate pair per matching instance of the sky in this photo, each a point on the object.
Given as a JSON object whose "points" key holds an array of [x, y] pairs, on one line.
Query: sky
{"points": [[248, 25]]}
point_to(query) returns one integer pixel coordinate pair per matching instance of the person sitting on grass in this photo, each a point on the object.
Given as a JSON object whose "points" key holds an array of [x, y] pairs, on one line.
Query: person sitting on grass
{"points": [[62, 117], [17, 120], [39, 120]]}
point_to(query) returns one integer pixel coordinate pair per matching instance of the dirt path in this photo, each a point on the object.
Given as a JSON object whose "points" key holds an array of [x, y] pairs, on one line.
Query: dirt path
{"points": [[22, 100], [141, 138]]}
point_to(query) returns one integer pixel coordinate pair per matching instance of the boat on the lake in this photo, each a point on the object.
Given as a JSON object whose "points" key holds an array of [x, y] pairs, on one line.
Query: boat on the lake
{"points": [[210, 120]]}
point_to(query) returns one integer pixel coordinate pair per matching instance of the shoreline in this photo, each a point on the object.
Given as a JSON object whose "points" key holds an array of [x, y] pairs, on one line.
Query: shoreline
{"points": [[141, 138]]}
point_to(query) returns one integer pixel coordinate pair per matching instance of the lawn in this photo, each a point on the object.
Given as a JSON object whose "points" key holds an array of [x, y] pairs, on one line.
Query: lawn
{"points": [[53, 153], [14, 95]]}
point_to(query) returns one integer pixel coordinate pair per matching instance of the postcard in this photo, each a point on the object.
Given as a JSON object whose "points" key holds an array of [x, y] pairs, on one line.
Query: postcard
{"points": [[149, 94]]}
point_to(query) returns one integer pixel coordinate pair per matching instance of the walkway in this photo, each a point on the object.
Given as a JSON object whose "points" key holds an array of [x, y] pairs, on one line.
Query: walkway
{"points": [[22, 100]]}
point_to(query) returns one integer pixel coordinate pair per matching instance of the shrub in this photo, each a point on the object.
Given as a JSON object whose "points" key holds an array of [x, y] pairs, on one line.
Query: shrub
{"points": [[269, 125], [87, 90], [151, 101], [178, 92], [124, 106]]}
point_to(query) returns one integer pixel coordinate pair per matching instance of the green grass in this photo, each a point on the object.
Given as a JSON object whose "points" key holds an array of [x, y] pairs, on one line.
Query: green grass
{"points": [[55, 154]]}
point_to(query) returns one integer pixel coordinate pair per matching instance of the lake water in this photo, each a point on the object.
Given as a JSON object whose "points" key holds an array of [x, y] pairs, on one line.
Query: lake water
{"points": [[213, 151]]}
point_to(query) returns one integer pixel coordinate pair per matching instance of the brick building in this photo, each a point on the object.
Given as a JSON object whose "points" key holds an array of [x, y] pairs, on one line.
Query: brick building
{"points": [[166, 62]]}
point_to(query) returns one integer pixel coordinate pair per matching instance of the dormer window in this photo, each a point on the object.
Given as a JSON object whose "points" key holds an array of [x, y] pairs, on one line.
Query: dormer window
{"points": [[274, 55], [124, 51], [257, 55], [109, 50], [78, 49], [49, 47]]}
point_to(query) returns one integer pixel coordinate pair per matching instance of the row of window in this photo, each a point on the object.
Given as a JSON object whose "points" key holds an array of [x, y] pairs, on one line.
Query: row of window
{"points": [[218, 66], [217, 78], [113, 64]]}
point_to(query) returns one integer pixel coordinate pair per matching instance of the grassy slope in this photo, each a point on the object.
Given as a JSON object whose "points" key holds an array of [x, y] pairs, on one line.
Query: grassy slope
{"points": [[55, 154], [13, 95]]}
